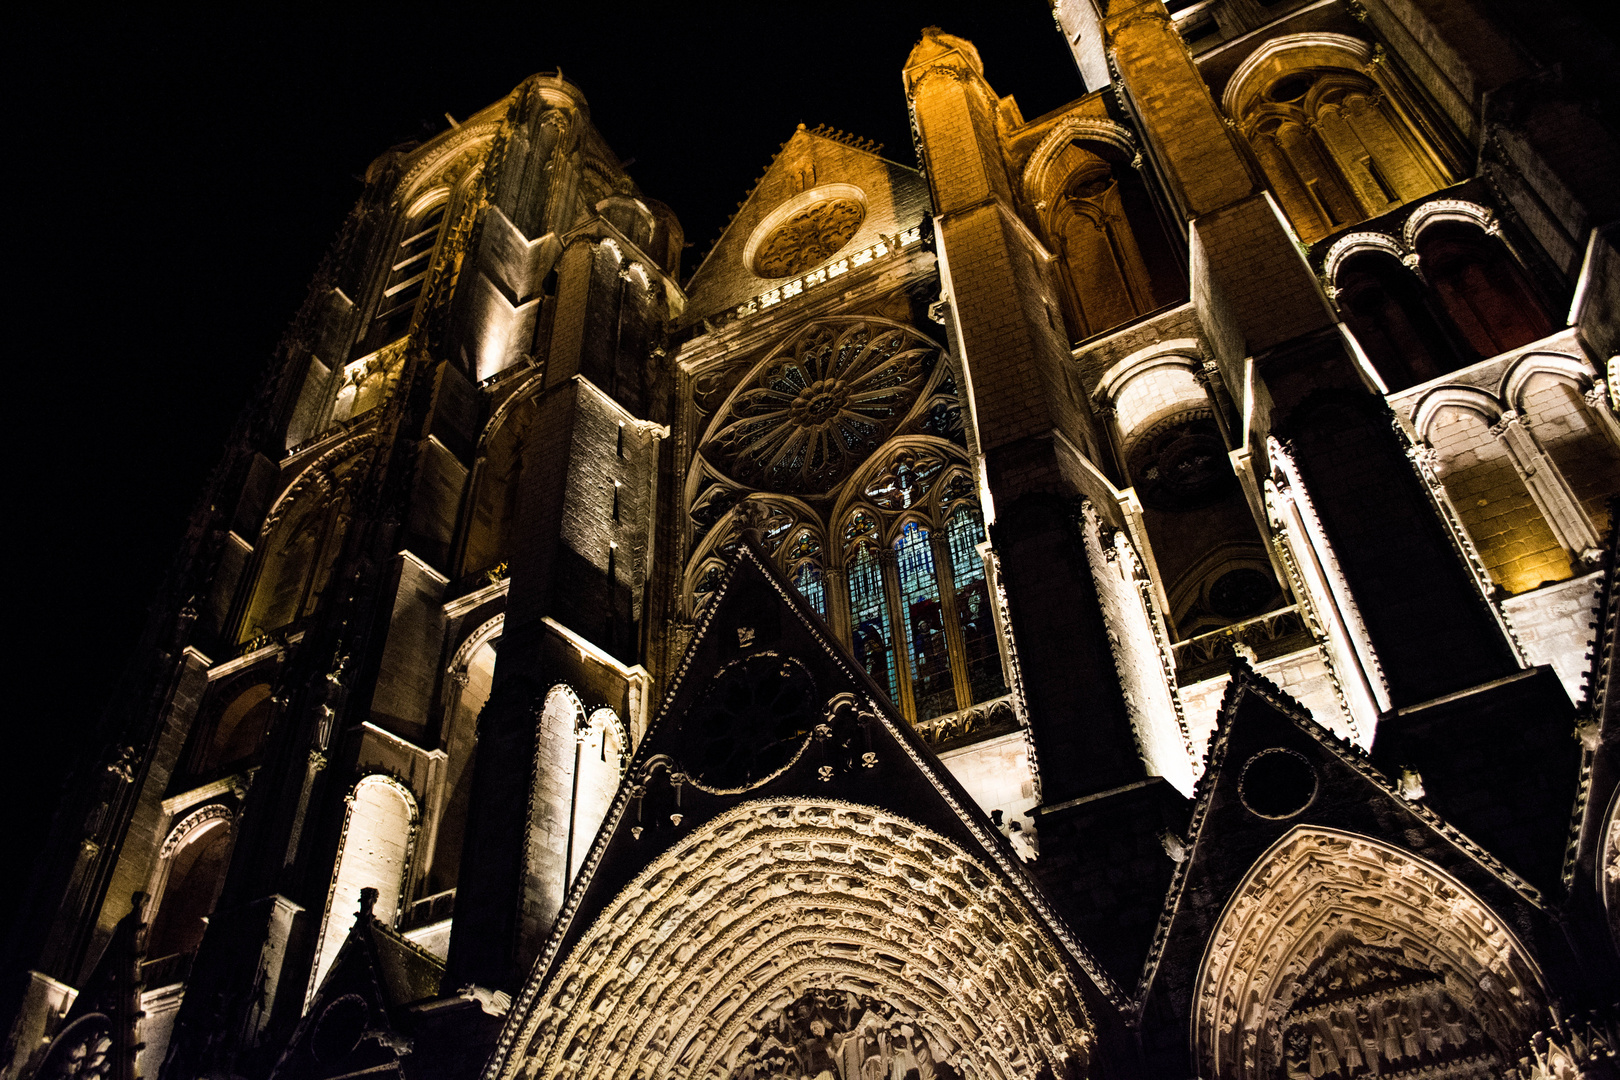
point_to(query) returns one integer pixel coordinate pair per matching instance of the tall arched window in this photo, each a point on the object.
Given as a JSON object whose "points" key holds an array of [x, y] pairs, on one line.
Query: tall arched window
{"points": [[802, 558], [980, 645], [920, 614], [871, 627]]}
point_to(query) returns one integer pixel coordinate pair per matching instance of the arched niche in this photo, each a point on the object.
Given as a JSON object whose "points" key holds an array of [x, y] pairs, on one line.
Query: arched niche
{"points": [[1480, 286], [191, 871], [493, 501], [1555, 395], [1114, 257], [1338, 134], [470, 678], [599, 763], [1389, 311], [685, 970], [1507, 527], [232, 726], [1205, 543], [374, 852], [1339, 947]]}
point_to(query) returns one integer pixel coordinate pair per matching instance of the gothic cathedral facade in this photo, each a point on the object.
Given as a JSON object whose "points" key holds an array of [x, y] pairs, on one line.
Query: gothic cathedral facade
{"points": [[1130, 595]]}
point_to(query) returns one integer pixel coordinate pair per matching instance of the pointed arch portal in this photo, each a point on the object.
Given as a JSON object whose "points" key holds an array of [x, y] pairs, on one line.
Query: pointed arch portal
{"points": [[779, 909], [1338, 953]]}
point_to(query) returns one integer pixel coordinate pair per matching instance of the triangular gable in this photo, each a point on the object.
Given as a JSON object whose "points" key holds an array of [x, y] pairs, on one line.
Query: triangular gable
{"points": [[812, 168], [358, 1018], [1266, 758], [823, 747]]}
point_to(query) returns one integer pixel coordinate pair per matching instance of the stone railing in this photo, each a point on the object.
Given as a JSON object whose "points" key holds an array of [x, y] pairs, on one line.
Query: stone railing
{"points": [[975, 722], [165, 970], [429, 909], [1276, 633]]}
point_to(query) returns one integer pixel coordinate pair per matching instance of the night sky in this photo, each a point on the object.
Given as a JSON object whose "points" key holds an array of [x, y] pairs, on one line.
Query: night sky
{"points": [[179, 179]]}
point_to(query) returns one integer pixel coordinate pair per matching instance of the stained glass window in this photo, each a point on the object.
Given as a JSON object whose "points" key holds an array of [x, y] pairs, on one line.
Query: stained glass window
{"points": [[931, 683], [808, 580], [965, 533], [869, 619]]}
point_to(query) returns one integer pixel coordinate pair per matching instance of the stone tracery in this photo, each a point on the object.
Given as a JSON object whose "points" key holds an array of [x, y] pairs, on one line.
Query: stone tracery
{"points": [[689, 969], [813, 235], [806, 416]]}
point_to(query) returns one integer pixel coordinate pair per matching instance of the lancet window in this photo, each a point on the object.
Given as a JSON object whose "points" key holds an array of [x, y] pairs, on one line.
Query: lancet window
{"points": [[407, 272], [412, 258], [919, 601]]}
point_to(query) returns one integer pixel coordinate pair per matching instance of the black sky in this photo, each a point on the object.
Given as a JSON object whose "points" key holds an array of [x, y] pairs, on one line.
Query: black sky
{"points": [[178, 178]]}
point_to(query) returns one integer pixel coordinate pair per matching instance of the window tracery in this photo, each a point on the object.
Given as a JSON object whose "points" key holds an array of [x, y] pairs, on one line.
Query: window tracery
{"points": [[811, 236], [807, 416], [844, 452]]}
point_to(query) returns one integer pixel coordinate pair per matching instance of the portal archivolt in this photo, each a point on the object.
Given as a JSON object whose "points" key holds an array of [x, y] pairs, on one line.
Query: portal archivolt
{"points": [[1339, 955], [776, 907]]}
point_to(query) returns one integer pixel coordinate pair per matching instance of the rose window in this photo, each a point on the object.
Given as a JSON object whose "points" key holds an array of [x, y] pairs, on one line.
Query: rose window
{"points": [[811, 236], [805, 418]]}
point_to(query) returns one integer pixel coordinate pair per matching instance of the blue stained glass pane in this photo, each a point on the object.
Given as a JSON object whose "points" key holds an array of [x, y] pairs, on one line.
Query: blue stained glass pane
{"points": [[807, 579], [869, 616], [932, 687], [965, 533]]}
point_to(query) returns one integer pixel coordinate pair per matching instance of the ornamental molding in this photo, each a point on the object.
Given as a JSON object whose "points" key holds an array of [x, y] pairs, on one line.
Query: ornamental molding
{"points": [[1467, 398], [1358, 54], [1071, 129], [1562, 366], [457, 143], [1177, 352], [486, 632], [1437, 210], [806, 201], [191, 823], [1355, 243], [318, 474]]}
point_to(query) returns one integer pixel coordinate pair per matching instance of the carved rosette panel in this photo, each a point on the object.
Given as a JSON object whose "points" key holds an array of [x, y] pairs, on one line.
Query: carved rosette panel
{"points": [[1318, 890], [814, 410], [812, 236], [688, 971]]}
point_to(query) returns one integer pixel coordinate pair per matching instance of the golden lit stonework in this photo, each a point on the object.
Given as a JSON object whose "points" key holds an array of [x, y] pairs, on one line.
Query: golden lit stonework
{"points": [[813, 235]]}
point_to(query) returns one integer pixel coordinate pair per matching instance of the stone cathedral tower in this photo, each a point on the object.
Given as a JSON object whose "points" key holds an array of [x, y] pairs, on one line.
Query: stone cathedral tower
{"points": [[1130, 596]]}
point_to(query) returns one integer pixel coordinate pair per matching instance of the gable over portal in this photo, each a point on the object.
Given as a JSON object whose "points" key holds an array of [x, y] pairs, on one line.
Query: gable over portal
{"points": [[785, 855]]}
